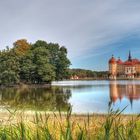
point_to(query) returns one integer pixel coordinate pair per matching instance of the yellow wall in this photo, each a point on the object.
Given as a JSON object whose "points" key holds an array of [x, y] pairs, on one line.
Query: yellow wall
{"points": [[138, 68], [120, 68], [115, 68]]}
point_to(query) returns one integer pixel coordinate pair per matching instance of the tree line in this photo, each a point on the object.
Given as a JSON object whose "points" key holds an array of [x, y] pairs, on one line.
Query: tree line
{"points": [[34, 63], [83, 73]]}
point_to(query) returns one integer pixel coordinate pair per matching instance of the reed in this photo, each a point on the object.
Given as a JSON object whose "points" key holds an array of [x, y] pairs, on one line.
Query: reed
{"points": [[42, 126]]}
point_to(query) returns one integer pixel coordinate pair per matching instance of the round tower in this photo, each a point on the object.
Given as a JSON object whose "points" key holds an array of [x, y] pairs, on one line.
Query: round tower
{"points": [[112, 68]]}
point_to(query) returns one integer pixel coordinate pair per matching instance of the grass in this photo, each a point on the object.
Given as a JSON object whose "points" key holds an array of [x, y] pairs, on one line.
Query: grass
{"points": [[42, 126]]}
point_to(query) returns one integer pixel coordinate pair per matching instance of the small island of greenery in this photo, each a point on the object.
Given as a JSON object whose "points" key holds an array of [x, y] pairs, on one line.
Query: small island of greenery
{"points": [[36, 63]]}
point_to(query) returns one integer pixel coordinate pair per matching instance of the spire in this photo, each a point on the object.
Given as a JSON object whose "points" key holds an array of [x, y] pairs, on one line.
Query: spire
{"points": [[129, 57], [131, 102]]}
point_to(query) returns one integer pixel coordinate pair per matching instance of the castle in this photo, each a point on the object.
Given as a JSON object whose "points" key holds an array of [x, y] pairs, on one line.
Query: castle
{"points": [[128, 69]]}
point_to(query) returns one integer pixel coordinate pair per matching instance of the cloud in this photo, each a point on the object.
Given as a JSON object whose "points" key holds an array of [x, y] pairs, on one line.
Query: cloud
{"points": [[82, 26]]}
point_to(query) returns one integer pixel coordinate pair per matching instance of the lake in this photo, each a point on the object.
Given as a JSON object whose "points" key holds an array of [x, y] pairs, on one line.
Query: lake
{"points": [[82, 96]]}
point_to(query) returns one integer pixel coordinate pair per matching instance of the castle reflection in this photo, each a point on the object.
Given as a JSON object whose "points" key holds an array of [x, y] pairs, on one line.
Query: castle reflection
{"points": [[118, 92]]}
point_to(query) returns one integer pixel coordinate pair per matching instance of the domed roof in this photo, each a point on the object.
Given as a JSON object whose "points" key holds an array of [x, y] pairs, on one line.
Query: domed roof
{"points": [[112, 60], [119, 61]]}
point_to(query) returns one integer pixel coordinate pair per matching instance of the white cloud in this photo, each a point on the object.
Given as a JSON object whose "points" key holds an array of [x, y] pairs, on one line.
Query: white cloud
{"points": [[81, 25]]}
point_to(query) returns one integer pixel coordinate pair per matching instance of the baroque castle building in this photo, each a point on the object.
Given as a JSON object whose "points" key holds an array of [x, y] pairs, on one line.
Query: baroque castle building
{"points": [[129, 69]]}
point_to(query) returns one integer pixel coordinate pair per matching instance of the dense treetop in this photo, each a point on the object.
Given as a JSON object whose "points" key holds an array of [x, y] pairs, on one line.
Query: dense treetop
{"points": [[40, 62]]}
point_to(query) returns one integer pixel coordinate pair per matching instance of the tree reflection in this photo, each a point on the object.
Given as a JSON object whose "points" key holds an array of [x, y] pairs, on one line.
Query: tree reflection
{"points": [[52, 98]]}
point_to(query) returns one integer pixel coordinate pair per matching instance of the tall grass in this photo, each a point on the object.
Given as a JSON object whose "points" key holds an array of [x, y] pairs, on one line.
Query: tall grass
{"points": [[43, 126]]}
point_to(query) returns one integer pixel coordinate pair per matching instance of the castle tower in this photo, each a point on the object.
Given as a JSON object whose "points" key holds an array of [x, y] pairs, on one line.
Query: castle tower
{"points": [[130, 67], [112, 68], [129, 57]]}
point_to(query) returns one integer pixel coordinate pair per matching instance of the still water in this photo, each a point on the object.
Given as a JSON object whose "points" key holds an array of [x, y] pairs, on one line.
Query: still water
{"points": [[82, 96]]}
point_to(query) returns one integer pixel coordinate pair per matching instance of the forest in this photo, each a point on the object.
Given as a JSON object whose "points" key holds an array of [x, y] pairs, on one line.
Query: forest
{"points": [[33, 63], [83, 74]]}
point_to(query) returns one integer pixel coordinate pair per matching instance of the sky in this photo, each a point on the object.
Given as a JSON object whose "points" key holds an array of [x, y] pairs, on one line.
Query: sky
{"points": [[91, 30]]}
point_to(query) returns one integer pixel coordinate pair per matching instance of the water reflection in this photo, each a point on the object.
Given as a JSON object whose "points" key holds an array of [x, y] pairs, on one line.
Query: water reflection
{"points": [[118, 91], [83, 97], [53, 98]]}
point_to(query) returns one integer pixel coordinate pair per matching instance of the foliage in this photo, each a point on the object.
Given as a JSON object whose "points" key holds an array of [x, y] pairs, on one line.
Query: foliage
{"points": [[9, 67], [40, 62], [58, 58], [21, 47], [62, 64], [82, 73]]}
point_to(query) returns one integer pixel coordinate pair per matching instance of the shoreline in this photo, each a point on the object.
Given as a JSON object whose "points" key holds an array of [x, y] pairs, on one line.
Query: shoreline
{"points": [[15, 117], [50, 84], [63, 113], [26, 85]]}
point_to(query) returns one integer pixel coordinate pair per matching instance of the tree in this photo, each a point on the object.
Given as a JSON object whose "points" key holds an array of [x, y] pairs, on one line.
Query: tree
{"points": [[44, 71], [57, 58], [33, 63], [27, 68], [9, 68], [62, 64], [21, 47]]}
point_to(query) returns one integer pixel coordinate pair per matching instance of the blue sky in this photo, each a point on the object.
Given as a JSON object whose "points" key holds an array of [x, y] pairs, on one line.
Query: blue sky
{"points": [[92, 30]]}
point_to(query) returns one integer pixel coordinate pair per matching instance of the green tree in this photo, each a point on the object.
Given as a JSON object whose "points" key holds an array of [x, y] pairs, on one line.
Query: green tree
{"points": [[9, 67], [44, 71], [57, 57], [62, 64], [27, 68]]}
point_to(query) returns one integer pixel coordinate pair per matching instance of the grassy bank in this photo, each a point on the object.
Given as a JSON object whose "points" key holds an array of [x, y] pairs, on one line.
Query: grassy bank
{"points": [[41, 126]]}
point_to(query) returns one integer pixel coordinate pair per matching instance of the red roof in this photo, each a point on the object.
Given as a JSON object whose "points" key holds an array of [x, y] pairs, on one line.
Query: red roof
{"points": [[119, 61], [133, 62], [112, 60], [130, 63]]}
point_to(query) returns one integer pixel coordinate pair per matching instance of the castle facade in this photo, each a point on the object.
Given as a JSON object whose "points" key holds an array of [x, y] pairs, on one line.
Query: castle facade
{"points": [[128, 69]]}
